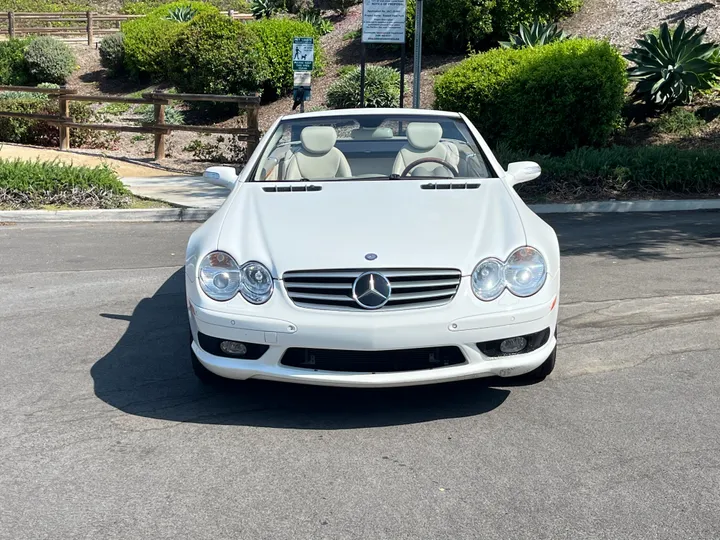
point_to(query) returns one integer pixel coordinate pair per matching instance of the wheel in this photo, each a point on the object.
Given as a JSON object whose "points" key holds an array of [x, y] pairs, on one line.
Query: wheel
{"points": [[201, 372], [543, 370]]}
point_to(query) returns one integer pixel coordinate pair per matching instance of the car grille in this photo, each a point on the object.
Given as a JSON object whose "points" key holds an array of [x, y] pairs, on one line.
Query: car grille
{"points": [[373, 361], [411, 288]]}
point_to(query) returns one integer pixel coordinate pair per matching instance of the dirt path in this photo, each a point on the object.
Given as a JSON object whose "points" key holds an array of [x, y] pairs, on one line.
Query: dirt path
{"points": [[622, 21]]}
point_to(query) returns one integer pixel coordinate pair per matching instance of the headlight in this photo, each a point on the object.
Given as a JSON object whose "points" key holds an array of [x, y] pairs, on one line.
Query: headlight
{"points": [[219, 276], [256, 283], [523, 274]]}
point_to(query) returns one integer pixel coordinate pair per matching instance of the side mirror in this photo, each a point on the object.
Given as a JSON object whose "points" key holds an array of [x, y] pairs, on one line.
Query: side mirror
{"points": [[523, 171], [221, 176]]}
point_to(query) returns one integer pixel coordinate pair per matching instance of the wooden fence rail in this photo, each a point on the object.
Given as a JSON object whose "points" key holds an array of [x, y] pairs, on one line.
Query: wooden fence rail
{"points": [[249, 103], [87, 23]]}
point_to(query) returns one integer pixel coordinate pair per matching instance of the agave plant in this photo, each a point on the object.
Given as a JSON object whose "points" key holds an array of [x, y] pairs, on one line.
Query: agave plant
{"points": [[263, 8], [182, 14], [534, 36], [670, 66]]}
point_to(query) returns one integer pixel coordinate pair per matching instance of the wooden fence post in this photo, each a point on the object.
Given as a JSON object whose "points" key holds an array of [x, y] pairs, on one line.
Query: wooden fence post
{"points": [[253, 128], [64, 105], [90, 36], [160, 137], [11, 24]]}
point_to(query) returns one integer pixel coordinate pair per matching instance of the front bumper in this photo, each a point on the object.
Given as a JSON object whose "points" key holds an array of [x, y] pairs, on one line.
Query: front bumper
{"points": [[412, 329]]}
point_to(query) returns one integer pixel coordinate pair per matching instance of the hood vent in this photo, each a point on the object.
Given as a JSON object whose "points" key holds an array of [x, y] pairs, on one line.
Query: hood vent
{"points": [[450, 185], [288, 189]]}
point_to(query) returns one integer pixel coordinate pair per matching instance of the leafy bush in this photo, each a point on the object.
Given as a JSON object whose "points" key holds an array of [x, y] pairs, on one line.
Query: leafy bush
{"points": [[172, 115], [679, 122], [534, 36], [263, 8], [481, 19], [342, 7], [26, 184], [544, 99], [49, 60], [217, 55], [13, 69], [42, 6], [382, 89], [616, 170], [669, 67], [112, 53], [143, 7], [149, 41], [24, 131], [314, 16], [275, 41]]}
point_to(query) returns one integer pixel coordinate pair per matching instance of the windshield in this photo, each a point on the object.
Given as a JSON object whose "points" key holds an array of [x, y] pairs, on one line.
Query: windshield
{"points": [[356, 147]]}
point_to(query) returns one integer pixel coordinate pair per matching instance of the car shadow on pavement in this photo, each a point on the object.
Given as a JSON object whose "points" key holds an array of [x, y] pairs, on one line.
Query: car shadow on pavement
{"points": [[148, 373]]}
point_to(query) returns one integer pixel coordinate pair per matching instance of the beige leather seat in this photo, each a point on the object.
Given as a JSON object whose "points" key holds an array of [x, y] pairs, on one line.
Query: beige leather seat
{"points": [[318, 159], [423, 142]]}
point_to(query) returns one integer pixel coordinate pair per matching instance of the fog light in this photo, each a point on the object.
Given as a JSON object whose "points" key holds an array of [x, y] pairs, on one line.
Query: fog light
{"points": [[513, 345], [234, 348]]}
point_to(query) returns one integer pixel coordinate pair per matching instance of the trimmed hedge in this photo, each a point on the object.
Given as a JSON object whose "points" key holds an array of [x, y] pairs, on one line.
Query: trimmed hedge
{"points": [[217, 55], [49, 60], [547, 99], [619, 169], [275, 47], [150, 41], [451, 26], [13, 69], [26, 184], [382, 89]]}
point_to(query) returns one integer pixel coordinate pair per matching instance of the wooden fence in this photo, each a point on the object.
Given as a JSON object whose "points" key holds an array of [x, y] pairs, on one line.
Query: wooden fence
{"points": [[158, 127], [71, 24]]}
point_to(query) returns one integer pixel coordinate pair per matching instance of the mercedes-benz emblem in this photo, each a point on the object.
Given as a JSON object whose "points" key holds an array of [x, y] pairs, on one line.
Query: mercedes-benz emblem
{"points": [[371, 290], [371, 256]]}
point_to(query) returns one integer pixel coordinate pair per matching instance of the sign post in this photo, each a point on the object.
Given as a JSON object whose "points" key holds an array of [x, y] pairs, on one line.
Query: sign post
{"points": [[303, 62], [418, 54], [383, 22]]}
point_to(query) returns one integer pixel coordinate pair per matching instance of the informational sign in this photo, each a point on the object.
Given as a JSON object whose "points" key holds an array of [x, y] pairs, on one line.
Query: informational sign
{"points": [[384, 21], [303, 54]]}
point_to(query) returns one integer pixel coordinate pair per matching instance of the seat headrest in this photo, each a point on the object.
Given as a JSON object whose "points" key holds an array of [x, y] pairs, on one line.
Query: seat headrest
{"points": [[424, 135], [318, 139], [366, 134]]}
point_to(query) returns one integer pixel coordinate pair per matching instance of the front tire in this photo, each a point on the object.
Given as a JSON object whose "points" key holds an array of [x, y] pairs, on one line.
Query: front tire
{"points": [[205, 376], [543, 370]]}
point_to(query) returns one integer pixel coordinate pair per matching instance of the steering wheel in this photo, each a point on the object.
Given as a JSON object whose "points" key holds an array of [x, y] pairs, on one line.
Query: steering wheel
{"points": [[449, 166]]}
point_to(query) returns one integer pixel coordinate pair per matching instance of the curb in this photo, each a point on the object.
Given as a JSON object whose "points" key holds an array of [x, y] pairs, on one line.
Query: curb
{"points": [[199, 215], [141, 215]]}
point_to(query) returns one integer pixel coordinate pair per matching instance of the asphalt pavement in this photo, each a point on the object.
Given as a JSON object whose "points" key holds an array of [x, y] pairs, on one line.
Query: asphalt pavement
{"points": [[105, 433]]}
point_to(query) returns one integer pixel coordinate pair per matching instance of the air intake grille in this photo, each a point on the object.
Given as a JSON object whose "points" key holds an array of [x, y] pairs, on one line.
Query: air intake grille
{"points": [[411, 288]]}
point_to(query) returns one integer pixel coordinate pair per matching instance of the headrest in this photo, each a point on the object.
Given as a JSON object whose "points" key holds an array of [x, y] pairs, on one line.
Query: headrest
{"points": [[366, 134], [424, 135], [318, 139]]}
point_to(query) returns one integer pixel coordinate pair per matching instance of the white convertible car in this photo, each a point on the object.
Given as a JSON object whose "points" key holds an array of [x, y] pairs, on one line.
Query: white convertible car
{"points": [[372, 248]]}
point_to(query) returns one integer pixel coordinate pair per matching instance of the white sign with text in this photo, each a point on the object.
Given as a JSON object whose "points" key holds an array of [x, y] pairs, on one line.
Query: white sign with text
{"points": [[384, 21]]}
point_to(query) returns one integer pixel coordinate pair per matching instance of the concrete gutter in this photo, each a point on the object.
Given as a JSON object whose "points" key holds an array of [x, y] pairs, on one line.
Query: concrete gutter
{"points": [[200, 215]]}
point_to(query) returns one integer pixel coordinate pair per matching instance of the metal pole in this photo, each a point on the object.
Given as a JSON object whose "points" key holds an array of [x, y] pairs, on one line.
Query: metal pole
{"points": [[417, 69], [402, 75], [362, 75]]}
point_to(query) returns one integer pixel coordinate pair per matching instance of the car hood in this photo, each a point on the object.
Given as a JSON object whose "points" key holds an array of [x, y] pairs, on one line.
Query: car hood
{"points": [[404, 224]]}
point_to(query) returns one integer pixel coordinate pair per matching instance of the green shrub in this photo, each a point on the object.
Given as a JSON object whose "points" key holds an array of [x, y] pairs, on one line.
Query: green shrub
{"points": [[314, 16], [13, 69], [480, 19], [342, 6], [544, 99], [30, 184], [143, 7], [618, 169], [149, 41], [382, 89], [217, 55], [534, 36], [42, 6], [679, 122], [275, 42], [49, 60], [35, 132], [112, 53]]}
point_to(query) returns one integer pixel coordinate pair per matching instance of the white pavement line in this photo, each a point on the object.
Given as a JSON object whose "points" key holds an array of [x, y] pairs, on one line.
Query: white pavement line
{"points": [[627, 206]]}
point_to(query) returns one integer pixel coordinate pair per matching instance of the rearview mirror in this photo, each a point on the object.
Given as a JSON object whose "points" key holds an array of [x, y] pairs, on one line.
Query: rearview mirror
{"points": [[221, 176], [523, 171]]}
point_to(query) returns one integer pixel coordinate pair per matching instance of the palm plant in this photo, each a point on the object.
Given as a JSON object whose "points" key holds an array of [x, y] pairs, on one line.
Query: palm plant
{"points": [[536, 35], [182, 14], [672, 65]]}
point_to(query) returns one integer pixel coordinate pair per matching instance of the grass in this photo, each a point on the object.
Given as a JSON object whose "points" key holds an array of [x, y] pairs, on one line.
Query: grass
{"points": [[115, 109], [679, 121], [352, 35]]}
